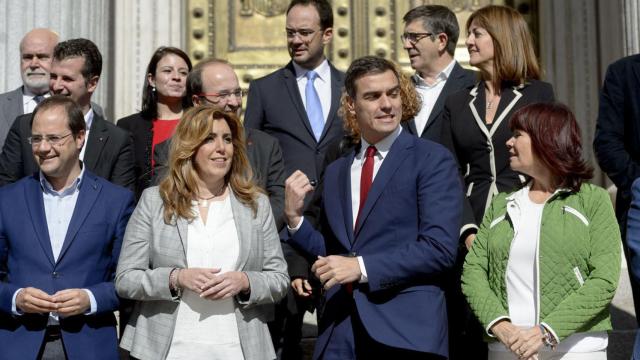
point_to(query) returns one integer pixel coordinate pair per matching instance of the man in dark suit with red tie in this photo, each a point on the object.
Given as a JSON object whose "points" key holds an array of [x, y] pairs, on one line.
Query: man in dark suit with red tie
{"points": [[391, 212]]}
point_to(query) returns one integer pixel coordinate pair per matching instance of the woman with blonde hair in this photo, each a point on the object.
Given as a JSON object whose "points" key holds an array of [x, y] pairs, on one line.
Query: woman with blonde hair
{"points": [[201, 255]]}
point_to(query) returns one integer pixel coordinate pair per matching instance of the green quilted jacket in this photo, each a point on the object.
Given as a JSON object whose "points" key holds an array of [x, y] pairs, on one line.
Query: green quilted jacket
{"points": [[578, 261]]}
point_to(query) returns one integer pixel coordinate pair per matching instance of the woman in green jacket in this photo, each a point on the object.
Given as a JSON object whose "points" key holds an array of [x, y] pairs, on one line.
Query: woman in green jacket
{"points": [[545, 265]]}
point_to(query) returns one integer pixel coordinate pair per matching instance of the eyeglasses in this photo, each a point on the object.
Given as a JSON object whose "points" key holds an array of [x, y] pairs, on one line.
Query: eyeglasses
{"points": [[304, 34], [223, 95], [53, 140], [413, 38]]}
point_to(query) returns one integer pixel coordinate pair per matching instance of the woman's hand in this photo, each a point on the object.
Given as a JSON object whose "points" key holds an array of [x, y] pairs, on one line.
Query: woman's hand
{"points": [[528, 342], [225, 285], [195, 278], [468, 241], [506, 332]]}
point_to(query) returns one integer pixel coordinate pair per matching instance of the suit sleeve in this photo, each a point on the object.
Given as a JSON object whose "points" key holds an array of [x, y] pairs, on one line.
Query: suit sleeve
{"points": [[161, 161], [633, 230], [124, 172], [105, 293], [439, 212], [609, 140], [254, 115], [275, 184], [6, 288], [11, 169]]}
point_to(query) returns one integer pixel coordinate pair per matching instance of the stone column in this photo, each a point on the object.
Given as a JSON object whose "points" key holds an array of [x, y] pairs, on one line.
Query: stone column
{"points": [[632, 26]]}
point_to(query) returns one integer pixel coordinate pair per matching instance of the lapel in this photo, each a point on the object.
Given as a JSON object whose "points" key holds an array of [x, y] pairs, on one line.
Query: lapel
{"points": [[35, 205], [98, 136], [449, 87], [508, 100], [395, 156], [242, 216], [344, 194], [89, 191], [182, 226], [289, 74], [337, 83], [635, 65], [13, 105]]}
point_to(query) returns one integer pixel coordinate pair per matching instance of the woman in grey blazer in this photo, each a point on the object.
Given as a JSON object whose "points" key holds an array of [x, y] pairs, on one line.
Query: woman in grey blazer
{"points": [[211, 294]]}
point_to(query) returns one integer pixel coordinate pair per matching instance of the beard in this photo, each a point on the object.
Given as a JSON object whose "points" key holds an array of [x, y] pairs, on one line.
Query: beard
{"points": [[36, 84]]}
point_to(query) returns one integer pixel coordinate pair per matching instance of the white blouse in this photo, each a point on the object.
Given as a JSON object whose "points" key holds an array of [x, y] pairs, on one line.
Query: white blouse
{"points": [[207, 329]]}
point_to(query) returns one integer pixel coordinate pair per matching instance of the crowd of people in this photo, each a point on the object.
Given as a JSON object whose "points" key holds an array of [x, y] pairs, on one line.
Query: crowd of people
{"points": [[444, 214]]}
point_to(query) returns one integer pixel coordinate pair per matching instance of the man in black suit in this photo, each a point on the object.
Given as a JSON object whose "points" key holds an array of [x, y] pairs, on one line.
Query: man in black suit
{"points": [[617, 141], [213, 82], [430, 37], [108, 151], [298, 105]]}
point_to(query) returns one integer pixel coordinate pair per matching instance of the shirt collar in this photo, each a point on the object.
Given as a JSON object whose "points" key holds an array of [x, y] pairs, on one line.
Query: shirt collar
{"points": [[383, 146], [88, 119], [75, 185], [323, 70], [27, 95], [442, 76]]}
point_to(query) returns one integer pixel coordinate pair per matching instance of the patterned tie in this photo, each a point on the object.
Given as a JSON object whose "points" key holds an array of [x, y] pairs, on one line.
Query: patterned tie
{"points": [[38, 99], [314, 107], [366, 178]]}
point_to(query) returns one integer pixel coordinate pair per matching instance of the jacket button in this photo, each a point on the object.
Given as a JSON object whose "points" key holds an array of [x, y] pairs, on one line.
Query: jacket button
{"points": [[55, 275], [489, 148]]}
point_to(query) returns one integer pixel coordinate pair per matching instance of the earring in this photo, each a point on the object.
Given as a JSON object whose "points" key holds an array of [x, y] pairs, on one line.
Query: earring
{"points": [[153, 89]]}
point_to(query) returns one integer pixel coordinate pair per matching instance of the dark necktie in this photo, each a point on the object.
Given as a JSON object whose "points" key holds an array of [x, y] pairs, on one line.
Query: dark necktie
{"points": [[314, 107], [366, 178], [38, 99]]}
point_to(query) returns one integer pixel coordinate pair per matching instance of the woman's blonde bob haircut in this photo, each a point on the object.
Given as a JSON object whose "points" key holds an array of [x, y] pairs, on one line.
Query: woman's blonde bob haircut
{"points": [[179, 188], [514, 57]]}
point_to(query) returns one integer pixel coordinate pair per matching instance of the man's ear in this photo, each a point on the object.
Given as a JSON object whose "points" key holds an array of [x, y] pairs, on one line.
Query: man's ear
{"points": [[92, 84]]}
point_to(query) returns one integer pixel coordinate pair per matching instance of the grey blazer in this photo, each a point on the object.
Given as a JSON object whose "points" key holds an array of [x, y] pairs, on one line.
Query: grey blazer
{"points": [[10, 108], [152, 248]]}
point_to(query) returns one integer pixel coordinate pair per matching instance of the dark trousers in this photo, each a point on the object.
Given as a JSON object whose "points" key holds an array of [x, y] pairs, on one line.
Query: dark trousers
{"points": [[286, 329], [52, 347], [622, 207]]}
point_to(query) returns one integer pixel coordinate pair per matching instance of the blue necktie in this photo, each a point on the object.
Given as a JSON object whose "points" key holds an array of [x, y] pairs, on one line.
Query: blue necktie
{"points": [[38, 99], [314, 107]]}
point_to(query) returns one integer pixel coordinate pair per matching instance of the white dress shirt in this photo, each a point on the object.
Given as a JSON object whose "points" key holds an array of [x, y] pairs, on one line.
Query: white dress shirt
{"points": [[88, 120], [322, 83], [28, 102], [429, 94]]}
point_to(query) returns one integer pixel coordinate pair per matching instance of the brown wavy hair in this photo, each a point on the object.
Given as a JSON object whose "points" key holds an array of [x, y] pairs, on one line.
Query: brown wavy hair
{"points": [[179, 187], [369, 65], [514, 57], [555, 140]]}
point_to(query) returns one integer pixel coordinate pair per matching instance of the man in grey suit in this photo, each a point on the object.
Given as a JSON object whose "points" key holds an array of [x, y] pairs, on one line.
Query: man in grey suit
{"points": [[36, 53], [298, 105], [430, 37]]}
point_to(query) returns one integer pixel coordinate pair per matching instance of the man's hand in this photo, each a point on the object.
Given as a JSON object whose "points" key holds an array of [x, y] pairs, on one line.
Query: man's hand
{"points": [[301, 287], [225, 285], [195, 279], [35, 301], [71, 302], [336, 269], [297, 186], [468, 241]]}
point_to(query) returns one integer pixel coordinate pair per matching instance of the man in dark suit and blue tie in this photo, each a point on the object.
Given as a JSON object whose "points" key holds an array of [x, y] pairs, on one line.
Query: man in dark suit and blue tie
{"points": [[60, 235], [298, 105], [391, 212]]}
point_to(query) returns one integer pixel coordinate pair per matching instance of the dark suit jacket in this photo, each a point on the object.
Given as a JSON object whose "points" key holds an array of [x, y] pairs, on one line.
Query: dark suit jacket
{"points": [[11, 106], [108, 153], [266, 162], [617, 137], [142, 131], [633, 243], [476, 146], [459, 79], [88, 260], [408, 237]]}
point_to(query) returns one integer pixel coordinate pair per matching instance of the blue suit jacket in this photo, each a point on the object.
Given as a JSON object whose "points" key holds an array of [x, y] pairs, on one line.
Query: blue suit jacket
{"points": [[88, 259], [633, 243], [408, 239]]}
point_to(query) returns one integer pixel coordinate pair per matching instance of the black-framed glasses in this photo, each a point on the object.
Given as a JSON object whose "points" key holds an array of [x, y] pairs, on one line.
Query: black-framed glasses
{"points": [[223, 95], [413, 38], [53, 140]]}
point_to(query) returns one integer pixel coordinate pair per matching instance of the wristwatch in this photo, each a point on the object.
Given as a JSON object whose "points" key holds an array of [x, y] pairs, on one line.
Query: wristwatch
{"points": [[174, 287], [547, 338]]}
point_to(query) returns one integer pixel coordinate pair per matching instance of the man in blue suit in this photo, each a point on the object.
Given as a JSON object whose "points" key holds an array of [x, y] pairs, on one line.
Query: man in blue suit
{"points": [[389, 228], [633, 245], [60, 236]]}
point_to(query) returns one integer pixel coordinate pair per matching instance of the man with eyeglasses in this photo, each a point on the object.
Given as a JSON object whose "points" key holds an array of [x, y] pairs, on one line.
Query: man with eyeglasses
{"points": [[108, 151], [430, 37], [298, 105], [213, 82], [60, 235]]}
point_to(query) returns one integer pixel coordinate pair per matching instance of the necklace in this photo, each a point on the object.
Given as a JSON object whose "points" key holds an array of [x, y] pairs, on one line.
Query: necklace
{"points": [[204, 202], [490, 103]]}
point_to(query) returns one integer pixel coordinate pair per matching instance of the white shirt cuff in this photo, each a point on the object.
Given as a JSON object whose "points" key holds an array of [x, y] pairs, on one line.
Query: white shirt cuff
{"points": [[363, 271], [468, 227], [14, 308], [293, 230], [92, 300]]}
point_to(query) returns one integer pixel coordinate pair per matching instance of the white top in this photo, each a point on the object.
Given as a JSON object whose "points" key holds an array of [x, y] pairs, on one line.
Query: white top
{"points": [[523, 282], [322, 83], [88, 120], [207, 329], [429, 94]]}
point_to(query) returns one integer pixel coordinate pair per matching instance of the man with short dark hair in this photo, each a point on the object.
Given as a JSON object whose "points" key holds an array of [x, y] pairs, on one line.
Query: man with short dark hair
{"points": [[430, 37], [75, 73], [60, 235], [390, 220]]}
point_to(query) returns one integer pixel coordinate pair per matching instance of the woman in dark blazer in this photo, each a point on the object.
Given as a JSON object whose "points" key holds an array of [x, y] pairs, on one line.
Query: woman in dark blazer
{"points": [[164, 97], [476, 119]]}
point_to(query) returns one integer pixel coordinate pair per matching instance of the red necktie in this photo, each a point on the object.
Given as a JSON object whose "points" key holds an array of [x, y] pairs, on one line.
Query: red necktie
{"points": [[366, 178]]}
